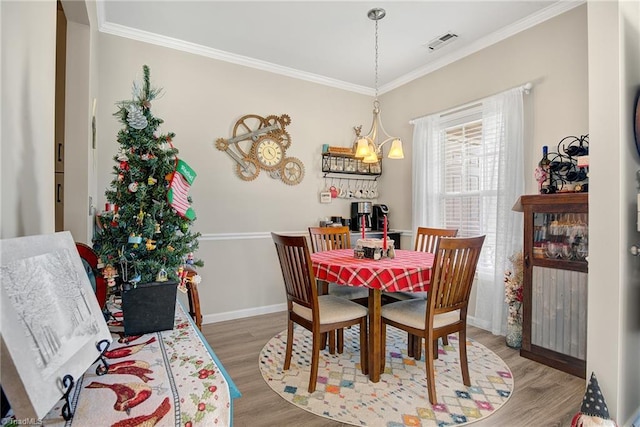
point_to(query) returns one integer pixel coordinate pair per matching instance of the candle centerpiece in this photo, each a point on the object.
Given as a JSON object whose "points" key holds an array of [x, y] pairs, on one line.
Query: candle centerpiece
{"points": [[372, 248], [384, 234]]}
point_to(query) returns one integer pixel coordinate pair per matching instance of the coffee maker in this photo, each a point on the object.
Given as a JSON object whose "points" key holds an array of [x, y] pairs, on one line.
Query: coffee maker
{"points": [[379, 211], [361, 210]]}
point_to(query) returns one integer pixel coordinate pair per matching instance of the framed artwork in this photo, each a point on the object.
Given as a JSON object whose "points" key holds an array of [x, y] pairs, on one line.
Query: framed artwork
{"points": [[50, 324]]}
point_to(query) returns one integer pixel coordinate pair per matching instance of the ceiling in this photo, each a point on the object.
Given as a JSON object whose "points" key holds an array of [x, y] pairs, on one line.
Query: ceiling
{"points": [[330, 42]]}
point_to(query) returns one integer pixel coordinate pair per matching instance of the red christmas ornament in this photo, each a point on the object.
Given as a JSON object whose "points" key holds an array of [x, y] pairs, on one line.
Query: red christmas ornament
{"points": [[124, 166]]}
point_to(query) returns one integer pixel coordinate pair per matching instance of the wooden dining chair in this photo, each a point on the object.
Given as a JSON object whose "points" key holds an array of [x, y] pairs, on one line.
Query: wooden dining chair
{"points": [[193, 297], [90, 263], [445, 309], [319, 314], [327, 239], [426, 240]]}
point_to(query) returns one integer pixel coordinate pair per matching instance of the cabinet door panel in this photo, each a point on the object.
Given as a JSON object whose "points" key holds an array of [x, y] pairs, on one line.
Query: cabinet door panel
{"points": [[59, 201], [559, 311]]}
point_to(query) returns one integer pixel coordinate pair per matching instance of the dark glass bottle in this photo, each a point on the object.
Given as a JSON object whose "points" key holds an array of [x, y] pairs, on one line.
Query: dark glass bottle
{"points": [[544, 164]]}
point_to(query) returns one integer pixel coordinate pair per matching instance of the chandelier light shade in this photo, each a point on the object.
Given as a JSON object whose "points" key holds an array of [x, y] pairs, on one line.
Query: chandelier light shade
{"points": [[369, 147]]}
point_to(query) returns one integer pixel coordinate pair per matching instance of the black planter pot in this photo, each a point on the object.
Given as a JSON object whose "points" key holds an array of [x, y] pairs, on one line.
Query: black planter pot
{"points": [[149, 307]]}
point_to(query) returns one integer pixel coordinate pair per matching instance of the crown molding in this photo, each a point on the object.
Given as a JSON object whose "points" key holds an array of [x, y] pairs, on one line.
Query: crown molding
{"points": [[549, 12], [493, 38], [197, 49]]}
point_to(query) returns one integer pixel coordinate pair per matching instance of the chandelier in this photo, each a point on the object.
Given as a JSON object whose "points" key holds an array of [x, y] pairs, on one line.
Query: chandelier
{"points": [[369, 147]]}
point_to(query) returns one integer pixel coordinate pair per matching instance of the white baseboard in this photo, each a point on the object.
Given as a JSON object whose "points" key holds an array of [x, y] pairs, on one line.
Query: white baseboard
{"points": [[268, 309], [240, 314]]}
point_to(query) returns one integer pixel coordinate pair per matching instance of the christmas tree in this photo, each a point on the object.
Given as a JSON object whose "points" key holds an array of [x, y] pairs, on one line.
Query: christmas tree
{"points": [[145, 236]]}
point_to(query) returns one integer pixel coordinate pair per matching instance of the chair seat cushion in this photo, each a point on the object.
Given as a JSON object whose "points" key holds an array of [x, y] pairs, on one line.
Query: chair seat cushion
{"points": [[413, 313], [333, 309], [403, 296], [348, 292]]}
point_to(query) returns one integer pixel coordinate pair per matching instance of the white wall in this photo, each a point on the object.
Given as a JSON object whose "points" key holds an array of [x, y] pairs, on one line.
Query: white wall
{"points": [[614, 275], [28, 95], [81, 173], [78, 151]]}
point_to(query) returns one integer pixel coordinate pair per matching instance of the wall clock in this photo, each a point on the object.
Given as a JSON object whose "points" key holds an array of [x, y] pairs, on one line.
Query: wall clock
{"points": [[261, 143], [268, 152]]}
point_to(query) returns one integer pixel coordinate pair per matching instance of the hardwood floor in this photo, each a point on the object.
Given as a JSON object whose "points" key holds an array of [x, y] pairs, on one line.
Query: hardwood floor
{"points": [[543, 396]]}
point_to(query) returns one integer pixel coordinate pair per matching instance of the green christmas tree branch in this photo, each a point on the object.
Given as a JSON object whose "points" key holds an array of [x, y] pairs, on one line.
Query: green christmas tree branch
{"points": [[145, 236]]}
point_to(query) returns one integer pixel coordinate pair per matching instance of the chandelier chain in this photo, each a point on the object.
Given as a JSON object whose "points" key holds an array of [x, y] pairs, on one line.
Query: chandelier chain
{"points": [[376, 81]]}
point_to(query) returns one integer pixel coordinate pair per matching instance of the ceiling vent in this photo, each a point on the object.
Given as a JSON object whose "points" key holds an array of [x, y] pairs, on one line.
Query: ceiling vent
{"points": [[439, 42]]}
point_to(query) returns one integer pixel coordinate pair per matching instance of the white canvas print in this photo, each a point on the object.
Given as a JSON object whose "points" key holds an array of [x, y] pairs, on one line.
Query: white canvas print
{"points": [[51, 321]]}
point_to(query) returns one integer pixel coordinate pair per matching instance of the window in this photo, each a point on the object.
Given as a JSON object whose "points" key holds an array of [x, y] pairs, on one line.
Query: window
{"points": [[462, 178], [469, 194], [468, 174]]}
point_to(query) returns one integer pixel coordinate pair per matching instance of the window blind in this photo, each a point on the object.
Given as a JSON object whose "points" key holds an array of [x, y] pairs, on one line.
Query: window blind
{"points": [[469, 195]]}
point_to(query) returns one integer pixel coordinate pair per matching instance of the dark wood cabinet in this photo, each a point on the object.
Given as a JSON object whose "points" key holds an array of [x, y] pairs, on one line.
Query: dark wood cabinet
{"points": [[555, 280], [59, 128]]}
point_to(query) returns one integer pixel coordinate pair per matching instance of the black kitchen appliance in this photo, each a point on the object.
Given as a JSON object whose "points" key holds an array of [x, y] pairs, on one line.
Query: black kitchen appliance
{"points": [[377, 220], [361, 210]]}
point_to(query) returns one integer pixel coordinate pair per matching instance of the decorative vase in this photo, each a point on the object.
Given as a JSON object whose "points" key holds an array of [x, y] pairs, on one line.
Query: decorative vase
{"points": [[514, 335]]}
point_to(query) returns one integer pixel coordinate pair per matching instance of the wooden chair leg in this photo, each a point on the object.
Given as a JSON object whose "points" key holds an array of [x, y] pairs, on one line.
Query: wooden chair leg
{"points": [[410, 343], [431, 382], [364, 347], [417, 347], [383, 345], [435, 349], [332, 342], [464, 364], [445, 340], [287, 357], [340, 338], [315, 355]]}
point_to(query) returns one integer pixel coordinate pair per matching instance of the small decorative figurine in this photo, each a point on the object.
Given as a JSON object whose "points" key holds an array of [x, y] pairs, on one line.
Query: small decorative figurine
{"points": [[161, 276]]}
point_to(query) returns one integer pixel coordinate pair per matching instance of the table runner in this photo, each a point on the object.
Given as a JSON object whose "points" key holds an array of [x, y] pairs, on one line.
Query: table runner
{"points": [[409, 271], [166, 378]]}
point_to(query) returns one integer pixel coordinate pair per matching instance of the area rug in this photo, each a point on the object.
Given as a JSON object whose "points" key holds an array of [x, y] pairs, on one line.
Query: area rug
{"points": [[345, 395]]}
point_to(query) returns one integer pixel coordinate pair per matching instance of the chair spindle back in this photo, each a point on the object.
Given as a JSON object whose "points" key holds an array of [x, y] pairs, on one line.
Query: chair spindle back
{"points": [[427, 238], [453, 274], [297, 272], [329, 238]]}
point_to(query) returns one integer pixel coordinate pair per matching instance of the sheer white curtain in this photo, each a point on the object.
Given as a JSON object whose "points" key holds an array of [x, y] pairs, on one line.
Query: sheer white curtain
{"points": [[502, 123]]}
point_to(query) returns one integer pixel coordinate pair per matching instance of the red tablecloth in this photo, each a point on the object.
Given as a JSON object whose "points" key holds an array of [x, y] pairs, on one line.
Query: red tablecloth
{"points": [[409, 271]]}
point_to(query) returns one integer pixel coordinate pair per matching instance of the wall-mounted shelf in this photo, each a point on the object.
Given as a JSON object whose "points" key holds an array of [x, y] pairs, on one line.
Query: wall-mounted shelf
{"points": [[346, 164]]}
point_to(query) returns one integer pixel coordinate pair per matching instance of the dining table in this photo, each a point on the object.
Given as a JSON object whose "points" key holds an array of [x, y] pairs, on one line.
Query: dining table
{"points": [[407, 271]]}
